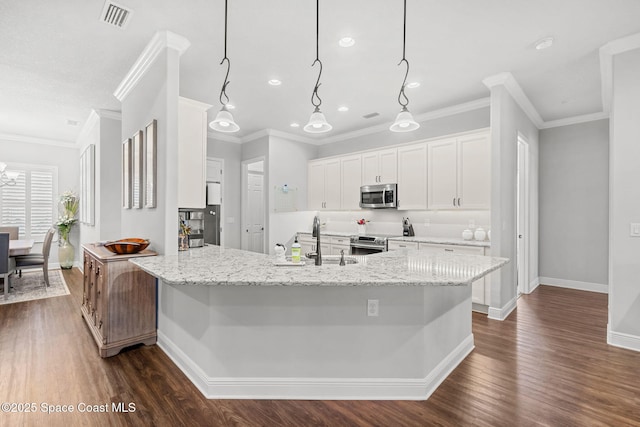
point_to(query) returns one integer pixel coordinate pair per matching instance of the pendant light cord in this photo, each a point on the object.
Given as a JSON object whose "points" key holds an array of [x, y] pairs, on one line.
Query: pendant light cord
{"points": [[223, 91], [315, 95], [402, 97]]}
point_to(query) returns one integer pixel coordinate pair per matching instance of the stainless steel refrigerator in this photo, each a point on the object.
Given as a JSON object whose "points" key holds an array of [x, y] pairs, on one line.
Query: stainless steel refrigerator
{"points": [[212, 225]]}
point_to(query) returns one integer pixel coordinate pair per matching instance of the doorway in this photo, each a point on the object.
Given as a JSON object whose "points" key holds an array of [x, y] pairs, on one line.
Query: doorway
{"points": [[253, 218], [522, 216], [214, 212]]}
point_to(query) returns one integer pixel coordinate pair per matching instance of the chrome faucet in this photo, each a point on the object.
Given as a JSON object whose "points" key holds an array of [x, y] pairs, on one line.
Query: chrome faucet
{"points": [[316, 233]]}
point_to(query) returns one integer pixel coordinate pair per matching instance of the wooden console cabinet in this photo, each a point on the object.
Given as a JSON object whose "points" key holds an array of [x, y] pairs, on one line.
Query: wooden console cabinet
{"points": [[118, 300]]}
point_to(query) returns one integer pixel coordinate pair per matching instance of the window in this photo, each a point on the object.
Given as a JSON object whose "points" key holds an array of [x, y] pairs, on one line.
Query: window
{"points": [[30, 204]]}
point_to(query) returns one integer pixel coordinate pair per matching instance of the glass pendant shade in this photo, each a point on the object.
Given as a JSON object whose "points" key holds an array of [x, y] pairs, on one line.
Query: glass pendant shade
{"points": [[317, 123], [224, 122], [404, 122]]}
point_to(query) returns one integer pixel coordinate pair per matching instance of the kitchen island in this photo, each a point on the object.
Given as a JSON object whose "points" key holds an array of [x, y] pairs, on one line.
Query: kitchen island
{"points": [[240, 327]]}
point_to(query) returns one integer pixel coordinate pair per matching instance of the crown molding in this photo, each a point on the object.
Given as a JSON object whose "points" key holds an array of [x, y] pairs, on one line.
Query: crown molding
{"points": [[507, 80], [36, 140], [607, 52], [160, 41], [223, 137], [294, 137], [575, 120], [109, 114], [430, 115]]}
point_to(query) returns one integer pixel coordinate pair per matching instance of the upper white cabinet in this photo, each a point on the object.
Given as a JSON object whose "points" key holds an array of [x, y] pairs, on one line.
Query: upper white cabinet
{"points": [[412, 176], [192, 153], [351, 173], [380, 167], [324, 184], [459, 173]]}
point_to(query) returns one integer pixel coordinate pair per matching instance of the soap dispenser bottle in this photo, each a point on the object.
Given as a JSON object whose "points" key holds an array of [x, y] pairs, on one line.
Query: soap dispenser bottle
{"points": [[295, 251]]}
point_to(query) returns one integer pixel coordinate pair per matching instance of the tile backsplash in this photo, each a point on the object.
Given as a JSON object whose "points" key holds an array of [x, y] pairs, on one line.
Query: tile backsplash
{"points": [[425, 223]]}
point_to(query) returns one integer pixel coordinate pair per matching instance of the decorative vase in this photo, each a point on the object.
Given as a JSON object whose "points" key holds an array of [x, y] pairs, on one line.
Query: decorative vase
{"points": [[183, 242], [66, 253]]}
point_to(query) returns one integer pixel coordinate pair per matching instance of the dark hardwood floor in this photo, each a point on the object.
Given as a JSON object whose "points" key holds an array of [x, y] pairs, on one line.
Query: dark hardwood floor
{"points": [[547, 364]]}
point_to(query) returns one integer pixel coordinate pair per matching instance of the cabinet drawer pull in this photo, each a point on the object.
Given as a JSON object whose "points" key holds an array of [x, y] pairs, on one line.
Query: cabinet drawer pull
{"points": [[448, 250], [458, 201], [454, 201]]}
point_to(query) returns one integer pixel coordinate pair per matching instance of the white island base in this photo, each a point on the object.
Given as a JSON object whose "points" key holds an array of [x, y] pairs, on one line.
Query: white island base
{"points": [[314, 342]]}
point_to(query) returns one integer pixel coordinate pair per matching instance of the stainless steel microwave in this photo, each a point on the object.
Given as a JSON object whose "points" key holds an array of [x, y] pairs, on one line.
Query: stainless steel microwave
{"points": [[379, 196]]}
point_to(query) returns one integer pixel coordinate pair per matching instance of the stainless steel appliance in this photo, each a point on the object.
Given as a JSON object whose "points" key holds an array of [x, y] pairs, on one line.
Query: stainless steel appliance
{"points": [[379, 196], [212, 225], [194, 218], [366, 245]]}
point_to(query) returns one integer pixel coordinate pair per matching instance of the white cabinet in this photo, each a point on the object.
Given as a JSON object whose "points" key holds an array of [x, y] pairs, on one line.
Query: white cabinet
{"points": [[380, 167], [394, 245], [192, 153], [324, 186], [351, 173], [329, 245], [459, 173], [412, 176], [480, 289]]}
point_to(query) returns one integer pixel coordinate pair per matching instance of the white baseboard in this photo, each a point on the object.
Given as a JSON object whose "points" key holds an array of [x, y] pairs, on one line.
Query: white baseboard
{"points": [[575, 284], [504, 312], [316, 388], [533, 285], [619, 339]]}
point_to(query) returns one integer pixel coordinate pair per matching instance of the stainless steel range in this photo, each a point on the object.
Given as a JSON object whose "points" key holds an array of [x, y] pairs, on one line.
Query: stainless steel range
{"points": [[369, 244]]}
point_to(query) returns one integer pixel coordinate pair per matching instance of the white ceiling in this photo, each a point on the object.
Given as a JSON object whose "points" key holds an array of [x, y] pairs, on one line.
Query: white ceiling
{"points": [[58, 61]]}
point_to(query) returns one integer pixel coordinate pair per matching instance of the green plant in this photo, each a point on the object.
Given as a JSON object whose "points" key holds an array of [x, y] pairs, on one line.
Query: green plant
{"points": [[69, 204]]}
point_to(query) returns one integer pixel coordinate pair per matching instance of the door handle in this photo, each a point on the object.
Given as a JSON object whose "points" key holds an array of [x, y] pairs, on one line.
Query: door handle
{"points": [[454, 201], [519, 236]]}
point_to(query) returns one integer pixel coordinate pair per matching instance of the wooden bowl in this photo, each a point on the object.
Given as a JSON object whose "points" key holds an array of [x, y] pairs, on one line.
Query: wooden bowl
{"points": [[127, 246]]}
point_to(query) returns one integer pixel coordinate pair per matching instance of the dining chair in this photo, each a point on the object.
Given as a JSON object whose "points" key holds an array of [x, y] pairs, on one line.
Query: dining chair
{"points": [[12, 230], [6, 263], [36, 260]]}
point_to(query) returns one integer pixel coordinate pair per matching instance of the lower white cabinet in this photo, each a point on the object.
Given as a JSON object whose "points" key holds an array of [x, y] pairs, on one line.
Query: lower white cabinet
{"points": [[480, 289], [329, 245]]}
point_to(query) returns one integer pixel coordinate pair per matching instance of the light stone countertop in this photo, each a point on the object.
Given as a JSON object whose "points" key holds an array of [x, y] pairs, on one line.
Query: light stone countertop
{"points": [[218, 266], [443, 241]]}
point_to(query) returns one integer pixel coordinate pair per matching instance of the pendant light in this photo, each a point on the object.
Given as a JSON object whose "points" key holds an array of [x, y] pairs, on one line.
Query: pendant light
{"points": [[224, 120], [404, 121], [317, 122]]}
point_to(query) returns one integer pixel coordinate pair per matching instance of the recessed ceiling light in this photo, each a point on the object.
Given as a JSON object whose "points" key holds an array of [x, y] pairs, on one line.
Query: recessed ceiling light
{"points": [[295, 125], [275, 82], [343, 108], [231, 107], [347, 42], [413, 85], [544, 43]]}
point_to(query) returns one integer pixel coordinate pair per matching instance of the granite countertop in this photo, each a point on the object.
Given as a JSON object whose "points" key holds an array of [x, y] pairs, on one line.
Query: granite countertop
{"points": [[215, 265], [443, 241]]}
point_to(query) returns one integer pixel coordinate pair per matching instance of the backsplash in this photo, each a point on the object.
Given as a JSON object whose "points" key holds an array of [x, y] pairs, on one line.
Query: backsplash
{"points": [[425, 223]]}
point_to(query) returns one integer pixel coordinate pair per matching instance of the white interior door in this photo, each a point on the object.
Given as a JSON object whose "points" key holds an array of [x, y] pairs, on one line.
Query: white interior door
{"points": [[522, 216], [255, 212]]}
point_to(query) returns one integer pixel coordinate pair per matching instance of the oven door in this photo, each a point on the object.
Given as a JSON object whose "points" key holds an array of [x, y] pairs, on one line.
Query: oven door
{"points": [[364, 249]]}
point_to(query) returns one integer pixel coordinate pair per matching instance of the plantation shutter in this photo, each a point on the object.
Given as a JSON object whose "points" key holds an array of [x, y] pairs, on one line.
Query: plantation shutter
{"points": [[41, 203], [13, 203]]}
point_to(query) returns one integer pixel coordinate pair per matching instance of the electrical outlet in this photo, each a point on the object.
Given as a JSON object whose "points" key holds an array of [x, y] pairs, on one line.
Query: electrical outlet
{"points": [[427, 222], [634, 229], [373, 307]]}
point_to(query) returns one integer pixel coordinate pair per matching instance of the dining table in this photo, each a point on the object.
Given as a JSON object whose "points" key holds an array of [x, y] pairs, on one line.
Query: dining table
{"points": [[20, 247]]}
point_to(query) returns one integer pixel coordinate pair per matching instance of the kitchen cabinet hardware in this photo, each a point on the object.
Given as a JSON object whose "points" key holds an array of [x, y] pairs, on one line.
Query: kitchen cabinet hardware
{"points": [[454, 201], [448, 250], [459, 202]]}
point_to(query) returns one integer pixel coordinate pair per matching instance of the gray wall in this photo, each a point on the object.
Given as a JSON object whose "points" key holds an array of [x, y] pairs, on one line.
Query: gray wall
{"points": [[624, 267], [507, 122], [574, 198], [232, 154], [156, 97], [462, 122]]}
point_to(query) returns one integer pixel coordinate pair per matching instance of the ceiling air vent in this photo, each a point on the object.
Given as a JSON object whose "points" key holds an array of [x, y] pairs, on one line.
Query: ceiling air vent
{"points": [[115, 14], [371, 115]]}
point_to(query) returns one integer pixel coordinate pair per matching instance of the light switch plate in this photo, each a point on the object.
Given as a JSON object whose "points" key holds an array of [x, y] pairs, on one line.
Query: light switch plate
{"points": [[635, 229]]}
